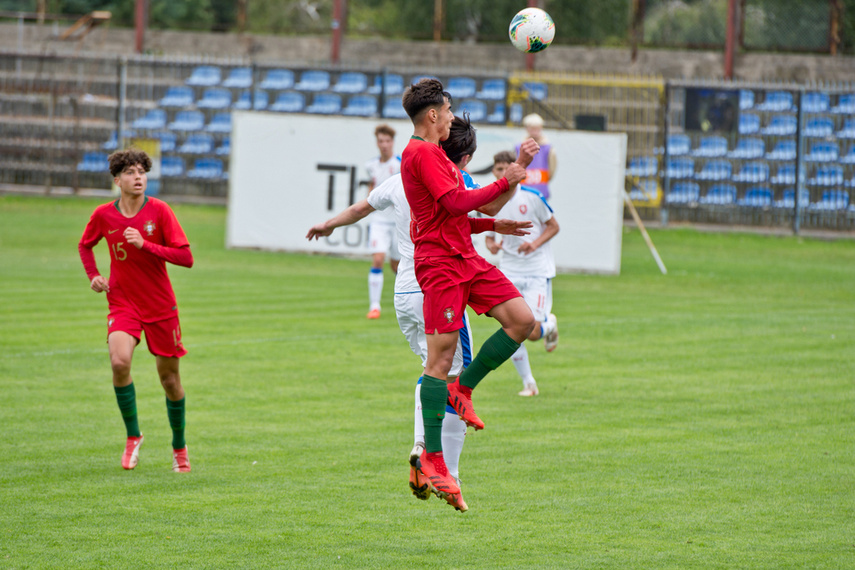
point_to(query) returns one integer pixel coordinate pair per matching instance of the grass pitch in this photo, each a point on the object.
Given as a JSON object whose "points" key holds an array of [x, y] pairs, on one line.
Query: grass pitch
{"points": [[702, 419]]}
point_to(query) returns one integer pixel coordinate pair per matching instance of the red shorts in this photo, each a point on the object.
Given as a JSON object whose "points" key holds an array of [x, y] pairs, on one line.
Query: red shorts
{"points": [[451, 283], [162, 337]]}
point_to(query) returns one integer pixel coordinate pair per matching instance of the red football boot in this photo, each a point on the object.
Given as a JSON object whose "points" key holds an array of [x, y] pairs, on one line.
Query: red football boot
{"points": [[460, 398], [432, 465]]}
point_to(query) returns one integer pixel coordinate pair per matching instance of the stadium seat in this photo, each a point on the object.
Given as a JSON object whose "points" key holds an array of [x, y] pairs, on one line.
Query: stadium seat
{"points": [[680, 168], [215, 99], [168, 141], [679, 145], [786, 175], [220, 123], [171, 166], [390, 84], [824, 151], [188, 121], [197, 144], [777, 101], [154, 119], [752, 172], [536, 91], [781, 125], [498, 114], [477, 110], [361, 106], [748, 124], [205, 76], [516, 113], [759, 197], [748, 148], [848, 130], [94, 162], [831, 200], [224, 148], [112, 143], [721, 195], [849, 157], [461, 87], [815, 103], [261, 100], [289, 102], [818, 127], [788, 199], [642, 166], [245, 103], [684, 193], [239, 77], [351, 82], [393, 109], [325, 104], [784, 150], [845, 105], [746, 99], [829, 175], [278, 79], [711, 147], [645, 191], [177, 97], [313, 80], [715, 170], [492, 90], [207, 168]]}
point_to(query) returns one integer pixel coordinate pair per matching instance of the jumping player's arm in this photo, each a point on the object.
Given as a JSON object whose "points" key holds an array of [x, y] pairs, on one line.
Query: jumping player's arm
{"points": [[503, 226], [91, 237], [528, 149], [350, 215]]}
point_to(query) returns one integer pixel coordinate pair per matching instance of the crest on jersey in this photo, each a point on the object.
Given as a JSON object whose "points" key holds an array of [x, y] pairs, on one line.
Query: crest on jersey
{"points": [[149, 227], [449, 315], [523, 208]]}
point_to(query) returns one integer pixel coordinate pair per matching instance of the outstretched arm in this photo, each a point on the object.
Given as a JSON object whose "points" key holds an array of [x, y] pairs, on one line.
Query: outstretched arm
{"points": [[350, 215], [528, 149]]}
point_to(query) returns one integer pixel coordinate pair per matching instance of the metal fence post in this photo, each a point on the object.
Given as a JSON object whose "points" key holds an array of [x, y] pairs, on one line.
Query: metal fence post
{"points": [[799, 159], [123, 92], [666, 179]]}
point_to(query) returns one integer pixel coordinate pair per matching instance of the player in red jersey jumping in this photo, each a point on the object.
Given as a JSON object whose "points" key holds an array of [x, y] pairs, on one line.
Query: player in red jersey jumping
{"points": [[142, 234], [451, 273]]}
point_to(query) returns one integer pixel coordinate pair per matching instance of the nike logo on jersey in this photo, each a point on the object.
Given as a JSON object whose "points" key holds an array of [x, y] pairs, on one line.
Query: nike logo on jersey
{"points": [[112, 231]]}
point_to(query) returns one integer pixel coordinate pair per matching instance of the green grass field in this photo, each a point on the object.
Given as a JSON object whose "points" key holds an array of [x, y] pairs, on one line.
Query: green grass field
{"points": [[702, 419]]}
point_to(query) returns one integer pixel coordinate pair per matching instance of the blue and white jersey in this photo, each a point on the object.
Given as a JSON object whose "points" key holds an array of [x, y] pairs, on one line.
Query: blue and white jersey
{"points": [[389, 198], [527, 204], [379, 172]]}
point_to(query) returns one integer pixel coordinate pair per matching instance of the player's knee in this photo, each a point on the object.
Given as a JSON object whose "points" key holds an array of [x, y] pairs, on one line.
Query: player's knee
{"points": [[120, 364]]}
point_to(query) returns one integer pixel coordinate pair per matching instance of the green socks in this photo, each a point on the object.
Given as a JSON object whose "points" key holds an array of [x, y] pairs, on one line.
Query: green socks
{"points": [[175, 411], [494, 352], [126, 396], [434, 397]]}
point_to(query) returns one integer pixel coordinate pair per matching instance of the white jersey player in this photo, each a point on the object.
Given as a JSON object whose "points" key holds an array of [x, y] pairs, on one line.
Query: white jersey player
{"points": [[530, 265]]}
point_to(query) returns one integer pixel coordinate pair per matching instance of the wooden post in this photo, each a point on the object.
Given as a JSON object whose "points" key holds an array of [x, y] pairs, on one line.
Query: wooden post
{"points": [[337, 25], [241, 16], [438, 19], [730, 39], [140, 23], [637, 31]]}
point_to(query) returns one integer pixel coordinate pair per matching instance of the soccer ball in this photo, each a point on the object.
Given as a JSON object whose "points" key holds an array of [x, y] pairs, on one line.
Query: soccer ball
{"points": [[531, 30]]}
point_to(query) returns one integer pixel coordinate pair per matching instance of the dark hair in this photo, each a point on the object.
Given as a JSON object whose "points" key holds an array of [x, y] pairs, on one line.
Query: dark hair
{"points": [[384, 129], [122, 159], [423, 95], [505, 156], [461, 141]]}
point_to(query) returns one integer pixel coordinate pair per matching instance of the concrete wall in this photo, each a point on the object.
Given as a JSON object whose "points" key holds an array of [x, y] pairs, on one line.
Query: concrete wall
{"points": [[671, 64]]}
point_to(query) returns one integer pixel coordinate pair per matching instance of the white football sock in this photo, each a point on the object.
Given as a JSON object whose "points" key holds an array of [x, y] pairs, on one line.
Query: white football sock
{"points": [[375, 287], [522, 365]]}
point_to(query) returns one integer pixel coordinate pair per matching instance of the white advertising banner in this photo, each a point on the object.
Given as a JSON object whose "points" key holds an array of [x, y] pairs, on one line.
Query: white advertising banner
{"points": [[289, 172]]}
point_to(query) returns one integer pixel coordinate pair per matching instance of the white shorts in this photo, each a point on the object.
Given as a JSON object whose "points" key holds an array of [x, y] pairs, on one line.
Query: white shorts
{"points": [[537, 293], [383, 238], [410, 312]]}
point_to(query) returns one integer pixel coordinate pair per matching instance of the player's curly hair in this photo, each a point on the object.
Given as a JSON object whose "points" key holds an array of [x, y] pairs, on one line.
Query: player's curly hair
{"points": [[504, 156], [421, 96], [122, 159], [461, 141]]}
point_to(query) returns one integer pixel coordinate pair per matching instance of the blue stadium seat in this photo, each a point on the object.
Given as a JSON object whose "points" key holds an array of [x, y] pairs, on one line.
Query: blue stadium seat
{"points": [[818, 127], [715, 170], [824, 151], [711, 147], [394, 84], [351, 82], [197, 144], [684, 193], [206, 168], [536, 91], [720, 195], [220, 123], [758, 197], [516, 113], [777, 101], [224, 148], [477, 110], [393, 109], [829, 175], [461, 87], [289, 102], [498, 114], [188, 121], [261, 100], [845, 105], [177, 97], [313, 80], [492, 90], [752, 172], [831, 200], [278, 79], [154, 119], [746, 99], [748, 148], [112, 143], [205, 76], [239, 77], [171, 166], [848, 130], [781, 125], [815, 103], [361, 106], [215, 99], [645, 191], [748, 124], [94, 162], [168, 141], [680, 168], [325, 104], [642, 166], [784, 150], [849, 157], [245, 103], [679, 145], [788, 199], [786, 175]]}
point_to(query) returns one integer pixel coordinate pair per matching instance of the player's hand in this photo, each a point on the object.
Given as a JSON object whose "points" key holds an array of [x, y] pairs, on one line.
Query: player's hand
{"points": [[100, 285], [526, 248], [511, 227], [528, 149], [134, 237], [317, 232], [515, 174], [494, 248]]}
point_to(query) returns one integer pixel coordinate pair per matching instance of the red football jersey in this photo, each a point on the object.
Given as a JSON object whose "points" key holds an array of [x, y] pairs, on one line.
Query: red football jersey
{"points": [[138, 278]]}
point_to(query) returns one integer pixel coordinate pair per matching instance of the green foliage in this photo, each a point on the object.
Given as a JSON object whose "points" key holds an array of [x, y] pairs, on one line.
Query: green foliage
{"points": [[293, 17], [684, 23], [787, 24]]}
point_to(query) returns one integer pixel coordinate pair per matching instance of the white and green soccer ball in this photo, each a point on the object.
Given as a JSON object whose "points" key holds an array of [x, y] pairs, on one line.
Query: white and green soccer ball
{"points": [[532, 30]]}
